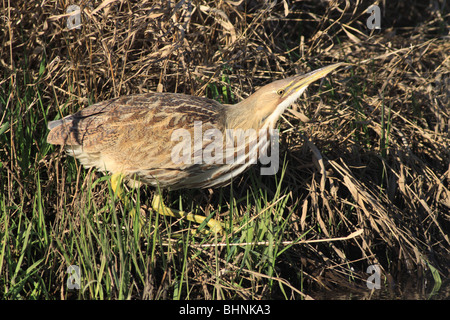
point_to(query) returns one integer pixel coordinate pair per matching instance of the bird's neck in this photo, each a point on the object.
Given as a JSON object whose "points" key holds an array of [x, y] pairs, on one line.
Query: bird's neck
{"points": [[256, 114], [247, 114]]}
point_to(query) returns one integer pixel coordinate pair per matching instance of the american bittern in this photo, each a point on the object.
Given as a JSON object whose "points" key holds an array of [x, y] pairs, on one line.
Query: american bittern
{"points": [[132, 136]]}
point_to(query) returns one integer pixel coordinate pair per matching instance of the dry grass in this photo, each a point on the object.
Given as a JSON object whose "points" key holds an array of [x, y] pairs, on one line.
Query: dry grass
{"points": [[367, 149]]}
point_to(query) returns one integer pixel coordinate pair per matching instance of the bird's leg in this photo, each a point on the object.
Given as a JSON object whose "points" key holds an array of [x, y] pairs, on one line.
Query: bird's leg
{"points": [[117, 187], [158, 205]]}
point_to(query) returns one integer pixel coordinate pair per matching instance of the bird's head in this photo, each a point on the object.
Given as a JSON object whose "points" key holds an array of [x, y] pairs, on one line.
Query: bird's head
{"points": [[264, 107]]}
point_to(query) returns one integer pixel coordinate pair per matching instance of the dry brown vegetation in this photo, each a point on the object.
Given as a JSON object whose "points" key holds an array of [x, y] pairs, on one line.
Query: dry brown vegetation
{"points": [[366, 150]]}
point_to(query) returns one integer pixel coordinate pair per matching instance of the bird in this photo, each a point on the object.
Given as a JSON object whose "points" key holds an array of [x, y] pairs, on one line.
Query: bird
{"points": [[161, 139]]}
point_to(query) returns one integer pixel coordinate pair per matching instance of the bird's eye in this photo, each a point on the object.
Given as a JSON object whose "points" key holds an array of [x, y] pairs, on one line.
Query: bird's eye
{"points": [[280, 92]]}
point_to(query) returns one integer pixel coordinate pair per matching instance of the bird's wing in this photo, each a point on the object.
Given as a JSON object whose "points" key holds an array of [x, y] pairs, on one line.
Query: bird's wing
{"points": [[135, 131]]}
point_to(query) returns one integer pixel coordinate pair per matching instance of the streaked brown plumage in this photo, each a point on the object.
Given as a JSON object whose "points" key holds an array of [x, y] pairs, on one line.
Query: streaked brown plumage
{"points": [[131, 135]]}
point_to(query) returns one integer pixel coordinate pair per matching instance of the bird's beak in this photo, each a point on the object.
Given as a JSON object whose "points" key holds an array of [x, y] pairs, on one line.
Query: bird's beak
{"points": [[302, 81]]}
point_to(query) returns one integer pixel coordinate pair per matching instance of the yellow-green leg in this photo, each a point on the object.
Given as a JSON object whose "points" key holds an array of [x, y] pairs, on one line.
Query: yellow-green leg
{"points": [[158, 205], [116, 186]]}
